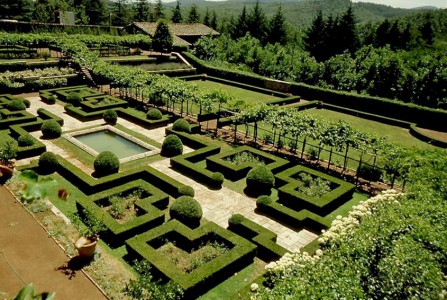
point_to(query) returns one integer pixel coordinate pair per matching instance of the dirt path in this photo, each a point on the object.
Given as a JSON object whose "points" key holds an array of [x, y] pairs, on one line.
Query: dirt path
{"points": [[27, 255]]}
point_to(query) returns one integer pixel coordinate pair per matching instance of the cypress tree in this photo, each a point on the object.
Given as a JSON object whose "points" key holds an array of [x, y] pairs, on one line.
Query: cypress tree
{"points": [[313, 41], [257, 23], [177, 15], [194, 16], [347, 32], [142, 11], [240, 28], [159, 12], [162, 39], [277, 29]]}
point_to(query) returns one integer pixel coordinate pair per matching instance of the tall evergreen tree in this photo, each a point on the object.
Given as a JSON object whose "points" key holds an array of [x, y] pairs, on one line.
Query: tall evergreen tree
{"points": [[257, 23], [122, 13], [159, 12], [213, 22], [240, 28], [277, 28], [21, 10], [162, 39], [142, 11], [177, 14], [347, 35], [383, 34], [427, 32], [206, 19], [313, 41], [97, 12], [193, 16]]}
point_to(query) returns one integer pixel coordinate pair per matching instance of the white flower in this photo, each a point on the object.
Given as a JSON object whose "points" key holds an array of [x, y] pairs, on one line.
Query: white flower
{"points": [[254, 287], [319, 252]]}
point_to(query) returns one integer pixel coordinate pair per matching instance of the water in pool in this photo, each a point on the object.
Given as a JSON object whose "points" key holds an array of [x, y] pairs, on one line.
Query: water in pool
{"points": [[106, 140]]}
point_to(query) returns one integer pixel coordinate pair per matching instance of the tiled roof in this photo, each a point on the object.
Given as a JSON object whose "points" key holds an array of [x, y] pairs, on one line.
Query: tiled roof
{"points": [[196, 29]]}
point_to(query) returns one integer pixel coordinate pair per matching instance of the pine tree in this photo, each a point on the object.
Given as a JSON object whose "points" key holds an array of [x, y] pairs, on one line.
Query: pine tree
{"points": [[313, 38], [97, 12], [177, 14], [206, 20], [383, 34], [278, 29], [21, 10], [240, 28], [142, 11], [427, 32], [347, 32], [122, 15], [213, 23], [158, 11], [194, 16], [162, 39], [257, 23], [395, 36]]}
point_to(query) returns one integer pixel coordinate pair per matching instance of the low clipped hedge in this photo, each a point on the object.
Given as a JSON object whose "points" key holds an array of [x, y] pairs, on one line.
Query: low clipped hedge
{"points": [[48, 162], [106, 163], [16, 105], [46, 115], [50, 100], [26, 140], [172, 146], [154, 114], [110, 116], [181, 125], [74, 98], [186, 190], [187, 210], [260, 180], [51, 129], [268, 250], [368, 172]]}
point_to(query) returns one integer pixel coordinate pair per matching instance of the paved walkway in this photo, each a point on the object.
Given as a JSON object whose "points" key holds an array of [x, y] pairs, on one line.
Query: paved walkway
{"points": [[218, 206], [27, 255]]}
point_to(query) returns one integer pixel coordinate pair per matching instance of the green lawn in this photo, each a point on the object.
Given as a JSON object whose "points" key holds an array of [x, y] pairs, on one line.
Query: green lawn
{"points": [[239, 93]]}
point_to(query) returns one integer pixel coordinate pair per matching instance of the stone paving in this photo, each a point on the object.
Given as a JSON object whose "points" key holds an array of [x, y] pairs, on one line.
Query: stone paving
{"points": [[217, 205]]}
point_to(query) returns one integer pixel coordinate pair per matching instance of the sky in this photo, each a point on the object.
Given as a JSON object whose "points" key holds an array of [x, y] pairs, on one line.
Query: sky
{"points": [[408, 3]]}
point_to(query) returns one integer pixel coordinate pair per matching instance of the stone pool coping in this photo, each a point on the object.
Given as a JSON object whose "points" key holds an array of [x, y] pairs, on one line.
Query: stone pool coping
{"points": [[71, 138]]}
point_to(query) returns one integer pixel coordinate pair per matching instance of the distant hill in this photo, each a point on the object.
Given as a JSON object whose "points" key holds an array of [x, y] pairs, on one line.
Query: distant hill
{"points": [[299, 13]]}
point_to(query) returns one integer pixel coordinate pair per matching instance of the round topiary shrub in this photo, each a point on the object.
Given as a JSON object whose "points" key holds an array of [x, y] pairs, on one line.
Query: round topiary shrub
{"points": [[48, 162], [186, 210], [260, 181], [154, 114], [25, 140], [106, 163], [110, 116], [27, 103], [172, 146], [51, 99], [217, 179], [181, 125], [15, 105], [74, 98], [263, 201], [51, 129], [186, 190], [236, 219]]}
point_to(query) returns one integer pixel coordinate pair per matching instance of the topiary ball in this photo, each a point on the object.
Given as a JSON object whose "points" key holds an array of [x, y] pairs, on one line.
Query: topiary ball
{"points": [[217, 179], [154, 114], [16, 105], [48, 162], [74, 98], [25, 140], [260, 181], [186, 190], [172, 146], [181, 125], [27, 103], [106, 163], [110, 116], [263, 201], [51, 129], [236, 219], [186, 210], [51, 99]]}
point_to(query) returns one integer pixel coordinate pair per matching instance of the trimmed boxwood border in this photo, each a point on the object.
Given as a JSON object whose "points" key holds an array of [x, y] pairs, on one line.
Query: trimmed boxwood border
{"points": [[88, 105], [206, 276]]}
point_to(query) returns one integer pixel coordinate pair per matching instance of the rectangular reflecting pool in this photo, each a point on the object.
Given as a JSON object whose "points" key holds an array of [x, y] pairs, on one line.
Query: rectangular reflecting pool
{"points": [[108, 138]]}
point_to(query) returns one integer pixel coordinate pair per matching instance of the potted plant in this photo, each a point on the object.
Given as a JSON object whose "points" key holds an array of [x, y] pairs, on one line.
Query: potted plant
{"points": [[7, 154], [90, 227]]}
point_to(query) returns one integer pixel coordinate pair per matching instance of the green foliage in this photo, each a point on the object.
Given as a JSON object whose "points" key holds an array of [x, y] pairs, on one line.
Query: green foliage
{"points": [[181, 125], [172, 146], [16, 105], [146, 287], [27, 103], [106, 163], [177, 14], [88, 224], [260, 180], [26, 140], [51, 129], [51, 99], [28, 292], [369, 172], [186, 210], [48, 162], [245, 157], [110, 116], [193, 16], [36, 186], [186, 190], [74, 98], [313, 186], [8, 152], [217, 179], [154, 114], [263, 200], [236, 219], [162, 40]]}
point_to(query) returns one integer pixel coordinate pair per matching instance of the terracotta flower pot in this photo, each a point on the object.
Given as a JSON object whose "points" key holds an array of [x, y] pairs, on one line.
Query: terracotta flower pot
{"points": [[86, 247]]}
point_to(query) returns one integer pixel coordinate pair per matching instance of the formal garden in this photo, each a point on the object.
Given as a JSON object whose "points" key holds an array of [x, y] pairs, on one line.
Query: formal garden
{"points": [[208, 186]]}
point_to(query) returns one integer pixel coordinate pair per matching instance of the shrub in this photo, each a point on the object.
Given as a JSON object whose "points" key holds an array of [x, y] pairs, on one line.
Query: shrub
{"points": [[51, 99], [15, 105], [236, 219], [369, 172], [260, 180], [48, 162], [25, 140], [172, 146], [110, 116], [154, 114], [51, 129], [74, 98], [186, 210], [217, 179], [27, 103], [181, 125], [263, 200], [186, 190], [106, 163]]}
